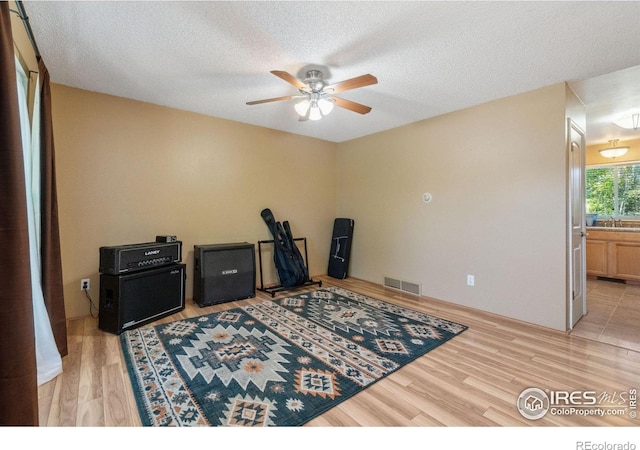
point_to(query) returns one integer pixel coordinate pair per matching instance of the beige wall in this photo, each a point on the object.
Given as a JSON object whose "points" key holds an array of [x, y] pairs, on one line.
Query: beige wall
{"points": [[593, 157], [128, 171], [497, 173]]}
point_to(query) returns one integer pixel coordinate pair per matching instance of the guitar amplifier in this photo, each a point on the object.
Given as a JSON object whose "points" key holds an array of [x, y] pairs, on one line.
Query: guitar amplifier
{"points": [[223, 272], [121, 259], [133, 299]]}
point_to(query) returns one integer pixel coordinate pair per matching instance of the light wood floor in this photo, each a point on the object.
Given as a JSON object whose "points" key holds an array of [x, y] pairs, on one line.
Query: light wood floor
{"points": [[613, 314], [472, 380]]}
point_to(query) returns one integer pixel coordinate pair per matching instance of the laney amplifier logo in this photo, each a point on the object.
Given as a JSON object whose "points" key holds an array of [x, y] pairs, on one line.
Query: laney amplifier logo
{"points": [[151, 252], [229, 272]]}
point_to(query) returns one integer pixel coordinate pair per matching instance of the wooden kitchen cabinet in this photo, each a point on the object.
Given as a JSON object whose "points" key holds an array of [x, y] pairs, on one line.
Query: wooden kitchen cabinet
{"points": [[613, 254], [625, 260], [597, 258]]}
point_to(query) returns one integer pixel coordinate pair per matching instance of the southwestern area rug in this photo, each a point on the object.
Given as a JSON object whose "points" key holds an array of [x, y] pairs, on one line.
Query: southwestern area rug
{"points": [[276, 363]]}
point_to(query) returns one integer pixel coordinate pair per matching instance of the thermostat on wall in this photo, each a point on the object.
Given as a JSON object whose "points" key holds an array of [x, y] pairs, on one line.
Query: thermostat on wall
{"points": [[426, 197]]}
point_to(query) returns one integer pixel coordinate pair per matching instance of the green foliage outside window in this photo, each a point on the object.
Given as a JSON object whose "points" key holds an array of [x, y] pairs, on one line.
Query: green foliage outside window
{"points": [[613, 190]]}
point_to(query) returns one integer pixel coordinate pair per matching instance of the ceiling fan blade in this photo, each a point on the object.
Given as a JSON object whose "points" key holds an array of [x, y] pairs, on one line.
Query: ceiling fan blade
{"points": [[276, 99], [289, 79], [351, 106], [353, 83]]}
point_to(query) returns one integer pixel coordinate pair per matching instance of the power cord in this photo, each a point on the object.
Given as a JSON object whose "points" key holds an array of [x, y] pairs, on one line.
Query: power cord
{"points": [[91, 305]]}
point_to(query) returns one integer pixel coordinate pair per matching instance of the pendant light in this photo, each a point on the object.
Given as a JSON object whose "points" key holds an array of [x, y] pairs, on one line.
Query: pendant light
{"points": [[613, 151]]}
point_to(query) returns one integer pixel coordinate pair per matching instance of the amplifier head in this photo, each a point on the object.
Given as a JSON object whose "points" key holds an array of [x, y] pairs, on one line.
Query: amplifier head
{"points": [[119, 259]]}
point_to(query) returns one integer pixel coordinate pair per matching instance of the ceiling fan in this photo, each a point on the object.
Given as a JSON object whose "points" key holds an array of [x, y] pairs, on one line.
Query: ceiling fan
{"points": [[318, 96]]}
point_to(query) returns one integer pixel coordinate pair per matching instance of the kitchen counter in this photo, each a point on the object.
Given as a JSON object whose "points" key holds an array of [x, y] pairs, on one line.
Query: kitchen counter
{"points": [[622, 228]]}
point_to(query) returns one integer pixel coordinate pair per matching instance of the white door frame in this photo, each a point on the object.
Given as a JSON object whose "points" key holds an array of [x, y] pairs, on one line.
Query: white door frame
{"points": [[576, 224]]}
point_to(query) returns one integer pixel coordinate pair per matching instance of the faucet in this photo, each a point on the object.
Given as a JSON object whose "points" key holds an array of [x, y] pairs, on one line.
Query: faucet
{"points": [[615, 222]]}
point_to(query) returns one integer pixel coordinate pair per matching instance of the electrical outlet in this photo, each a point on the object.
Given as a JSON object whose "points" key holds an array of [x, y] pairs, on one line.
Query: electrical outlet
{"points": [[85, 284], [471, 280]]}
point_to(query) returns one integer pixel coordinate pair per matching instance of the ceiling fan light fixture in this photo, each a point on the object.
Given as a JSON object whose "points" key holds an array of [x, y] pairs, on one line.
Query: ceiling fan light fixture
{"points": [[629, 123], [314, 111], [613, 151], [314, 108], [317, 96], [325, 105], [302, 107]]}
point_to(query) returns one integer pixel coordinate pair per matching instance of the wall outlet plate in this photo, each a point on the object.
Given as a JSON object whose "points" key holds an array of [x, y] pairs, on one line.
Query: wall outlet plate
{"points": [[471, 280], [85, 284]]}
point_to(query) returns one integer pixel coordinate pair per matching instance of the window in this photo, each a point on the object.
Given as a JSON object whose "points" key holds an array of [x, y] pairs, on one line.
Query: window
{"points": [[613, 190]]}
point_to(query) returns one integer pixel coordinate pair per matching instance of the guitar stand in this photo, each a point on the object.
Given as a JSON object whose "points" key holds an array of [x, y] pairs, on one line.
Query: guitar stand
{"points": [[273, 290]]}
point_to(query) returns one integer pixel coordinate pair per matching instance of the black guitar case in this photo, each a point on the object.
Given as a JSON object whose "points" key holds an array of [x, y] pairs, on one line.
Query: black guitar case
{"points": [[296, 251], [289, 264], [340, 248]]}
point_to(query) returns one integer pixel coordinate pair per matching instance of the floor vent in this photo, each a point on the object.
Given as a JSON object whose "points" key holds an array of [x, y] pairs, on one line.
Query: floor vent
{"points": [[402, 285], [392, 283]]}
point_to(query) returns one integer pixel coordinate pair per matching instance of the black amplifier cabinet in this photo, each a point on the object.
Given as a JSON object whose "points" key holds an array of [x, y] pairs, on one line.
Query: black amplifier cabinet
{"points": [[223, 272], [130, 300], [134, 257]]}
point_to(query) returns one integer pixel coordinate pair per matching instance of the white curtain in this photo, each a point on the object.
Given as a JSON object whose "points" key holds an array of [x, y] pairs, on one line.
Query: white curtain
{"points": [[47, 355]]}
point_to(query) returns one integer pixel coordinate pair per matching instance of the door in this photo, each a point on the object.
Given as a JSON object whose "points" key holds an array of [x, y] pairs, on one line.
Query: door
{"points": [[577, 234]]}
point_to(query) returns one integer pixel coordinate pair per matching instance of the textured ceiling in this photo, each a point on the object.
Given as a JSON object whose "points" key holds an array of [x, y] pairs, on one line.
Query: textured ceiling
{"points": [[430, 58]]}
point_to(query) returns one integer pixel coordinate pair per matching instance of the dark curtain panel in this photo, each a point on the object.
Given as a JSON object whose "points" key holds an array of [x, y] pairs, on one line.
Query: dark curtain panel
{"points": [[50, 251], [18, 370]]}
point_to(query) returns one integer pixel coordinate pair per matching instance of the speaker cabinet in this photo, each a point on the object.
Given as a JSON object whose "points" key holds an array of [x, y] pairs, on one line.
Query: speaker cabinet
{"points": [[223, 272], [128, 301]]}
